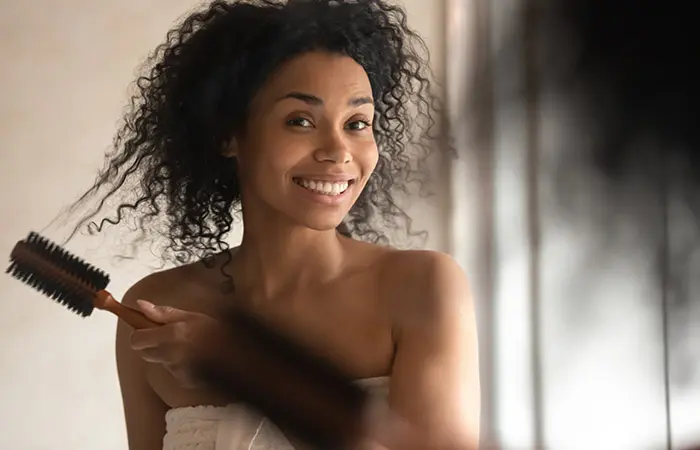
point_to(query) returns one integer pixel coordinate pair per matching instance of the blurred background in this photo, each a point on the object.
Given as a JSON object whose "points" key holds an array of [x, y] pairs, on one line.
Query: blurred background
{"points": [[588, 320]]}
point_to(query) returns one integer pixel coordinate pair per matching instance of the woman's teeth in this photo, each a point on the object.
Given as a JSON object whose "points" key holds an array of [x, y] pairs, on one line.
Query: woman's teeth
{"points": [[324, 187]]}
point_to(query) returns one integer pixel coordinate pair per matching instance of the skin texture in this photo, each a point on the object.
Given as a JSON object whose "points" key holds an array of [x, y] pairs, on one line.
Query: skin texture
{"points": [[372, 310]]}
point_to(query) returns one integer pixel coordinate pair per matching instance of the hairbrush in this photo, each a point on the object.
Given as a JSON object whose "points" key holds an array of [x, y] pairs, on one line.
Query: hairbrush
{"points": [[67, 279]]}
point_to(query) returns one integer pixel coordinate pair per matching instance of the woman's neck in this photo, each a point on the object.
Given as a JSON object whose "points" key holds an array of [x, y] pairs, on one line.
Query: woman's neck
{"points": [[280, 260]]}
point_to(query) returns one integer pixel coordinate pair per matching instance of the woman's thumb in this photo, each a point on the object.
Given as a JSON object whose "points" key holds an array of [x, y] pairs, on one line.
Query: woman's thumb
{"points": [[160, 314]]}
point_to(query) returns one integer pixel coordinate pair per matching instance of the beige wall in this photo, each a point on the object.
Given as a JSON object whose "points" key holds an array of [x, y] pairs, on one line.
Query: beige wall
{"points": [[65, 70]]}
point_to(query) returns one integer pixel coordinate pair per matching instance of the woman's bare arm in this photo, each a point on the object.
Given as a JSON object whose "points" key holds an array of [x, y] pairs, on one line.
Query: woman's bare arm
{"points": [[435, 378], [144, 411]]}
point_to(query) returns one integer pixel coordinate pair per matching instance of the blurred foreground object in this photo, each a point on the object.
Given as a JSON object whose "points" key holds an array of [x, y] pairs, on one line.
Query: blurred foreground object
{"points": [[588, 130], [629, 70], [634, 62], [303, 394]]}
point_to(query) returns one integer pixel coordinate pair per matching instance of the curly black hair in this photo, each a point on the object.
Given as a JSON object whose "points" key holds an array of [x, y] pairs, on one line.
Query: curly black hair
{"points": [[195, 95]]}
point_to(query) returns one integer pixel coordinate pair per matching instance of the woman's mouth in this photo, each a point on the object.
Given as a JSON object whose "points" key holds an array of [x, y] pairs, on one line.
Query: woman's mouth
{"points": [[324, 187]]}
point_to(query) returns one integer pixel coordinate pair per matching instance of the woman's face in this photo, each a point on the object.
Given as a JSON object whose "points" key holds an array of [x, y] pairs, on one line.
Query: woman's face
{"points": [[308, 149]]}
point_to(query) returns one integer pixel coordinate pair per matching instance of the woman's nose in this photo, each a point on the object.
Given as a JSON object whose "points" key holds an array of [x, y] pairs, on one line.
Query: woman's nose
{"points": [[334, 150]]}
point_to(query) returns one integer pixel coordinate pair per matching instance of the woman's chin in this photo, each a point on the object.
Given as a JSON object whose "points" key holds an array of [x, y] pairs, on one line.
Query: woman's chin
{"points": [[324, 226]]}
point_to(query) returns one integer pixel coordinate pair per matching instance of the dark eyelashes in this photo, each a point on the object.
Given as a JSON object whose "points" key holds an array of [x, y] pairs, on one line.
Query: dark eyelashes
{"points": [[302, 122]]}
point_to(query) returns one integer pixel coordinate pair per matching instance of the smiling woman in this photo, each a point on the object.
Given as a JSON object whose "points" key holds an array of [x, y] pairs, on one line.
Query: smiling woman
{"points": [[306, 117], [309, 144]]}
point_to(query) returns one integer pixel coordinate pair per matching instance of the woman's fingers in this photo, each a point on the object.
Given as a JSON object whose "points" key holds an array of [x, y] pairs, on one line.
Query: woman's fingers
{"points": [[183, 337], [155, 355], [168, 356], [149, 337], [163, 314], [178, 333], [178, 368]]}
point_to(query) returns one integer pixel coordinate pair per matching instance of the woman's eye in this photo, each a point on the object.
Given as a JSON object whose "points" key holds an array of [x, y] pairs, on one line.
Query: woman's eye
{"points": [[359, 125], [299, 122]]}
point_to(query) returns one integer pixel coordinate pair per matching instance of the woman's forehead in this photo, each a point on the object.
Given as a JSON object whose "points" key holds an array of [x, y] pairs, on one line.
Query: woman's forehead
{"points": [[324, 75]]}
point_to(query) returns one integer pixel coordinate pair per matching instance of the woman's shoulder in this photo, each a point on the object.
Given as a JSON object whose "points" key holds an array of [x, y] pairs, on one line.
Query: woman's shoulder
{"points": [[421, 281], [176, 286], [421, 264], [406, 266]]}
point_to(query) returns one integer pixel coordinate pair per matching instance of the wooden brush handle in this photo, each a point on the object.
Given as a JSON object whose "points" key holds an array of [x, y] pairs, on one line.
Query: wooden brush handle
{"points": [[136, 319]]}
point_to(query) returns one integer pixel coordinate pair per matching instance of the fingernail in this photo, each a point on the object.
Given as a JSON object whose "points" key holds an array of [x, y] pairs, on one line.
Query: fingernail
{"points": [[145, 303]]}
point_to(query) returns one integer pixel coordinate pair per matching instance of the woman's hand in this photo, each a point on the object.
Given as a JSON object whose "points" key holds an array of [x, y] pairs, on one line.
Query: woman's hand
{"points": [[184, 337]]}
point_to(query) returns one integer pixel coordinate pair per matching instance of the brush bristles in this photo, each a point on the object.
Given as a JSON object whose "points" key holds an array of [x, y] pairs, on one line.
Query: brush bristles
{"points": [[57, 273]]}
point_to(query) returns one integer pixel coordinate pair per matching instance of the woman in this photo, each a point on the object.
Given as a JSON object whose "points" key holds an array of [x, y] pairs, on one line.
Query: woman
{"points": [[299, 116]]}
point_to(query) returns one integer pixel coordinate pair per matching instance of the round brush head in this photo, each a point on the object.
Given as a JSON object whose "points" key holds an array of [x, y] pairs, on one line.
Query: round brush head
{"points": [[56, 273]]}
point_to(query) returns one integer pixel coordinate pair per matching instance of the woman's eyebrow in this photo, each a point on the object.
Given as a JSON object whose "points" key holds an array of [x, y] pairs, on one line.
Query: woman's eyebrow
{"points": [[317, 101]]}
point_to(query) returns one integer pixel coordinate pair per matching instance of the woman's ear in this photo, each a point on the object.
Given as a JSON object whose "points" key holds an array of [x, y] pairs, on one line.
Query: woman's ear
{"points": [[230, 149]]}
